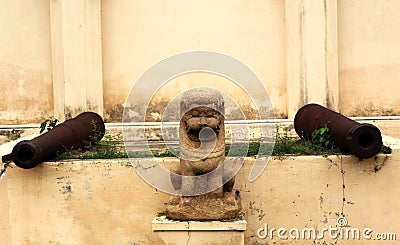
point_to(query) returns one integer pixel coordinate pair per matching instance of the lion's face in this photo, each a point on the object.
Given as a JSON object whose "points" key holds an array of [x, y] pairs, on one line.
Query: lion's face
{"points": [[202, 119]]}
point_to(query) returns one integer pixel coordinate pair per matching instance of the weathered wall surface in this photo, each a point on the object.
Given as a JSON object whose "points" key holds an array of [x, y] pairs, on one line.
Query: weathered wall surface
{"points": [[62, 57], [26, 93], [137, 34], [369, 57], [105, 202]]}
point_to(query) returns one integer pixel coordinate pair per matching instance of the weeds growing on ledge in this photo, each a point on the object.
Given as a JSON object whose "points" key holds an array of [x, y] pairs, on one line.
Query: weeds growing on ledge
{"points": [[319, 144], [111, 146]]}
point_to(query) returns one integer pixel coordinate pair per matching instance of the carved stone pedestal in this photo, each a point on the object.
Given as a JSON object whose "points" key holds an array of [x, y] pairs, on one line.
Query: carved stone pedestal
{"points": [[211, 206], [199, 232]]}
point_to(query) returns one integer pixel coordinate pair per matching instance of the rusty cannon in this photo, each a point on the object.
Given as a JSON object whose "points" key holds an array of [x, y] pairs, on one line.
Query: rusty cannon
{"points": [[363, 140], [72, 134]]}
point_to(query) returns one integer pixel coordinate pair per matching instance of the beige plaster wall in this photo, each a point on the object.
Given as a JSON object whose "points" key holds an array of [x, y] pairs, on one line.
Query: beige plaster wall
{"points": [[137, 34], [25, 62], [63, 57], [369, 57], [105, 202]]}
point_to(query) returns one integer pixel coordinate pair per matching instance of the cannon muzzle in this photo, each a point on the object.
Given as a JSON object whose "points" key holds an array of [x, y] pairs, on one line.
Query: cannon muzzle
{"points": [[73, 133], [363, 140]]}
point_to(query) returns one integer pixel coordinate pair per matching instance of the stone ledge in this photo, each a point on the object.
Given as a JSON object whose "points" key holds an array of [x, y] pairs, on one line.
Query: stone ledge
{"points": [[162, 223]]}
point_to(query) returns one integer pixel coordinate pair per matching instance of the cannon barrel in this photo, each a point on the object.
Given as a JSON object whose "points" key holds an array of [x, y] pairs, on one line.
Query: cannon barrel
{"points": [[73, 133], [363, 140]]}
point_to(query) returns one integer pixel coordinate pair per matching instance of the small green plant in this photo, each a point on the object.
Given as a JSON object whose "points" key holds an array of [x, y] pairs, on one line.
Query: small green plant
{"points": [[386, 149], [48, 123], [321, 139], [283, 143], [96, 135]]}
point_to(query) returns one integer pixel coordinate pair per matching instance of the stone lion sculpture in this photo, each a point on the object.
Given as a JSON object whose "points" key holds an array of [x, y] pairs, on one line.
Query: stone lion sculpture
{"points": [[202, 150]]}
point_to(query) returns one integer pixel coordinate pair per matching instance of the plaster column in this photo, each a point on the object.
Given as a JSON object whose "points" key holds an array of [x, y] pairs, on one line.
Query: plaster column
{"points": [[311, 54], [76, 57]]}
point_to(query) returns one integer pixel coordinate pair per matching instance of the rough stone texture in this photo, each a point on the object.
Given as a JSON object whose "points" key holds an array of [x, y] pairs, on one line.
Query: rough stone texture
{"points": [[204, 207], [202, 150]]}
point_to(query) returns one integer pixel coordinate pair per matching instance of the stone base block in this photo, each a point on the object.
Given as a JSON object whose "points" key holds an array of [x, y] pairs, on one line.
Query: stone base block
{"points": [[199, 232], [209, 206]]}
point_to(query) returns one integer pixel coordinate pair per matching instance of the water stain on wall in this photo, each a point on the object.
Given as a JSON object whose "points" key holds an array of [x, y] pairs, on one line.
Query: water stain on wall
{"points": [[370, 91], [26, 95]]}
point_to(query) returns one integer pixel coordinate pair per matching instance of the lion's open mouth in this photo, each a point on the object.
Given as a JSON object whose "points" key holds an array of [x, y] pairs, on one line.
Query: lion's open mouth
{"points": [[202, 135]]}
